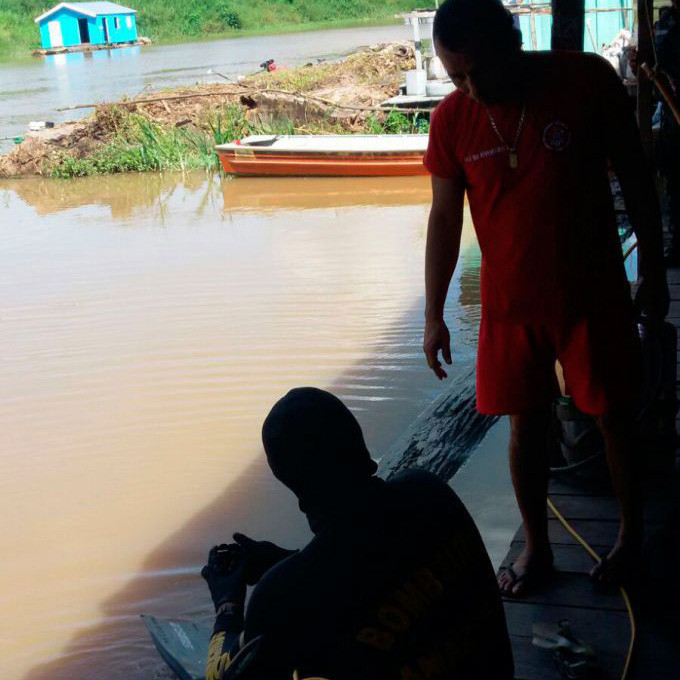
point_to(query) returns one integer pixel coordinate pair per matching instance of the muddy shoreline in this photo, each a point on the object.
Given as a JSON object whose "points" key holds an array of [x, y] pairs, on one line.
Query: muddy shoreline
{"points": [[327, 96]]}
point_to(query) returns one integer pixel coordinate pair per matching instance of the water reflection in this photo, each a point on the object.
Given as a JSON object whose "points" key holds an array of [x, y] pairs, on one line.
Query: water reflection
{"points": [[470, 267], [127, 193], [122, 194], [264, 193]]}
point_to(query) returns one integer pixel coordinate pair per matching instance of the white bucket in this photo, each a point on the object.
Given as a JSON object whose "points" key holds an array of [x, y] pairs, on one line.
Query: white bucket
{"points": [[435, 69], [416, 82], [438, 88]]}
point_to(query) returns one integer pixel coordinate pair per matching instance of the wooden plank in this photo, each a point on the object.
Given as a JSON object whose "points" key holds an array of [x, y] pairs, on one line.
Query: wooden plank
{"points": [[574, 486], [657, 653], [599, 534], [587, 507], [605, 508], [568, 558], [534, 663], [607, 631], [532, 31], [573, 591]]}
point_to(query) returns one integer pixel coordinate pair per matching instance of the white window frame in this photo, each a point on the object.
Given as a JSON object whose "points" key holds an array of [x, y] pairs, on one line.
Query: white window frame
{"points": [[128, 21], [116, 22]]}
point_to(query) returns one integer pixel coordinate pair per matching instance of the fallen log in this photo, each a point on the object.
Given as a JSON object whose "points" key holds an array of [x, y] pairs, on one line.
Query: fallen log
{"points": [[441, 438]]}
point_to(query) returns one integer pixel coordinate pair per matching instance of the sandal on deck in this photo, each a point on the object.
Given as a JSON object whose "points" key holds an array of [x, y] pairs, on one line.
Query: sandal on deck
{"points": [[527, 581]]}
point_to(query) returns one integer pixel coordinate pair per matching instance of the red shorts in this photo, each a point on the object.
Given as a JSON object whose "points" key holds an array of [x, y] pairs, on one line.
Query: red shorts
{"points": [[600, 358]]}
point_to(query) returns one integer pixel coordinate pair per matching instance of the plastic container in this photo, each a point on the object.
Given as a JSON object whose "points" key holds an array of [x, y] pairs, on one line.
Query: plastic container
{"points": [[435, 69], [438, 88], [416, 82]]}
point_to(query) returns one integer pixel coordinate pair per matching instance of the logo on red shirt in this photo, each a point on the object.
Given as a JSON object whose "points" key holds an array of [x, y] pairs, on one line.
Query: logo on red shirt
{"points": [[556, 136]]}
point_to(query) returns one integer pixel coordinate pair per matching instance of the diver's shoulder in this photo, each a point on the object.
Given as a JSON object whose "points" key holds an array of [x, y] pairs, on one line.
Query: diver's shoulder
{"points": [[420, 481], [291, 575]]}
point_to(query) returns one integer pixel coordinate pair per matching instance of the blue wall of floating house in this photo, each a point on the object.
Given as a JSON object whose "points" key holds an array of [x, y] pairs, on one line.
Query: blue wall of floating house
{"points": [[602, 26], [120, 27]]}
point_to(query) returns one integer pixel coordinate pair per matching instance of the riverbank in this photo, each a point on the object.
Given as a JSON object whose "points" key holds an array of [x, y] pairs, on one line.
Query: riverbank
{"points": [[177, 128], [168, 21]]}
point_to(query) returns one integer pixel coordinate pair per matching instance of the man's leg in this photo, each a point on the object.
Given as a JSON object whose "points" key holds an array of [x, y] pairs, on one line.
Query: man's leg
{"points": [[619, 438], [529, 469]]}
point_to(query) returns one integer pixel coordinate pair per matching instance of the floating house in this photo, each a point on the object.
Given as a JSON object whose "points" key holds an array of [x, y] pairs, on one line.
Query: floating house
{"points": [[81, 24], [604, 19]]}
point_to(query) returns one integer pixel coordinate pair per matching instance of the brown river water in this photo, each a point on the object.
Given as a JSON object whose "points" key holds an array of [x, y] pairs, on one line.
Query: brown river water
{"points": [[148, 323]]}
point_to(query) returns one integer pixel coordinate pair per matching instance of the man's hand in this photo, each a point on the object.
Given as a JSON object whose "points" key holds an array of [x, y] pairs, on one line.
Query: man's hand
{"points": [[225, 574], [437, 339], [652, 298], [259, 557]]}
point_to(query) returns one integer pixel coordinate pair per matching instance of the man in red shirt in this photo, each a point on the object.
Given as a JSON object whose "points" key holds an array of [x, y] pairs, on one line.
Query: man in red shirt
{"points": [[528, 136]]}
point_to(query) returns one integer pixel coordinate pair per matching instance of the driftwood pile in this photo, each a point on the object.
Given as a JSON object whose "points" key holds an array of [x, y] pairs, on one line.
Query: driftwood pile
{"points": [[341, 93]]}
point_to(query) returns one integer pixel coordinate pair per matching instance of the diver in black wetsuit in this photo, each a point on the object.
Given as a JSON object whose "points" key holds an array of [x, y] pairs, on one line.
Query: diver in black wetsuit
{"points": [[395, 585]]}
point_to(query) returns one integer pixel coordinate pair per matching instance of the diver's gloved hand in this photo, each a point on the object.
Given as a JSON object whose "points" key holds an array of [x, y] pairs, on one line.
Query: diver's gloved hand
{"points": [[259, 556], [225, 574]]}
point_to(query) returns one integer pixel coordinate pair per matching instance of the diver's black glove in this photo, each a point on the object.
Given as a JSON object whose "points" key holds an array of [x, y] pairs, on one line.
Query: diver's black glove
{"points": [[225, 574], [259, 557]]}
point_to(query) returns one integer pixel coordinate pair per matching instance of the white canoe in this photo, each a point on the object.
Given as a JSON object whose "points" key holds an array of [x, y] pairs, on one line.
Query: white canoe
{"points": [[325, 155]]}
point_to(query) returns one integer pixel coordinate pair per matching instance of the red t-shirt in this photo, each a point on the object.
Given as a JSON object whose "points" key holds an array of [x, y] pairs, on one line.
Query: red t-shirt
{"points": [[547, 228]]}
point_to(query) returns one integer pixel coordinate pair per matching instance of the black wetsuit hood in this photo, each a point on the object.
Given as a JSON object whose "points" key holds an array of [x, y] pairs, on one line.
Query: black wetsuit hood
{"points": [[315, 446]]}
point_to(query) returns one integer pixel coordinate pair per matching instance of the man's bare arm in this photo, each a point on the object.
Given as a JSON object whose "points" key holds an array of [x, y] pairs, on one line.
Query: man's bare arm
{"points": [[441, 255], [639, 194]]}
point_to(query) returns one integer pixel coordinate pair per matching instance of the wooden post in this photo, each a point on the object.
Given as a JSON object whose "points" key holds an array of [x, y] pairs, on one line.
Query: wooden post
{"points": [[645, 55], [532, 26], [567, 24]]}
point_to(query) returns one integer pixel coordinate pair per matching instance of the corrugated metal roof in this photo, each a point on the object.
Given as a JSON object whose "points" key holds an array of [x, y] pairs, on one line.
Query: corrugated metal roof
{"points": [[91, 9], [102, 7]]}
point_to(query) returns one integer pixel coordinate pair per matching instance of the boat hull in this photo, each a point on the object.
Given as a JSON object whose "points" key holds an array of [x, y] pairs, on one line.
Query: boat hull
{"points": [[246, 162]]}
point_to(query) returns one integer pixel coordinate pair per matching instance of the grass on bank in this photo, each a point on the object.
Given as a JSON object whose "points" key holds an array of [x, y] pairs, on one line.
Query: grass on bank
{"points": [[179, 20], [141, 145]]}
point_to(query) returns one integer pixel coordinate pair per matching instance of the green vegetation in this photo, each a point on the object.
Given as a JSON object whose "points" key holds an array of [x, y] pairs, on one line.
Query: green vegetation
{"points": [[141, 145], [396, 123], [176, 20]]}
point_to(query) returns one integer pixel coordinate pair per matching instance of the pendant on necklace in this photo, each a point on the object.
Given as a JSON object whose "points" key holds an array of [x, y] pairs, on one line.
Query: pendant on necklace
{"points": [[512, 158]]}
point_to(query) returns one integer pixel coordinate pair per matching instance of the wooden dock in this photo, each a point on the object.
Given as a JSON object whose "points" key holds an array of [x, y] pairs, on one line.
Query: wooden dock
{"points": [[91, 47], [598, 616]]}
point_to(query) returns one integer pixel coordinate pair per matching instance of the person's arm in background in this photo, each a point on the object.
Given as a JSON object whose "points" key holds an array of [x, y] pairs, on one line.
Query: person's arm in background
{"points": [[444, 229], [631, 166]]}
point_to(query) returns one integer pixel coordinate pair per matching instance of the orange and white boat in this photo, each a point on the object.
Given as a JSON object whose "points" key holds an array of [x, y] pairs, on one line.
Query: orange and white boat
{"points": [[325, 155]]}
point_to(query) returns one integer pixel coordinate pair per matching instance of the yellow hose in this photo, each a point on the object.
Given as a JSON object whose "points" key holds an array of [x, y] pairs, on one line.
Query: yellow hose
{"points": [[624, 594]]}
